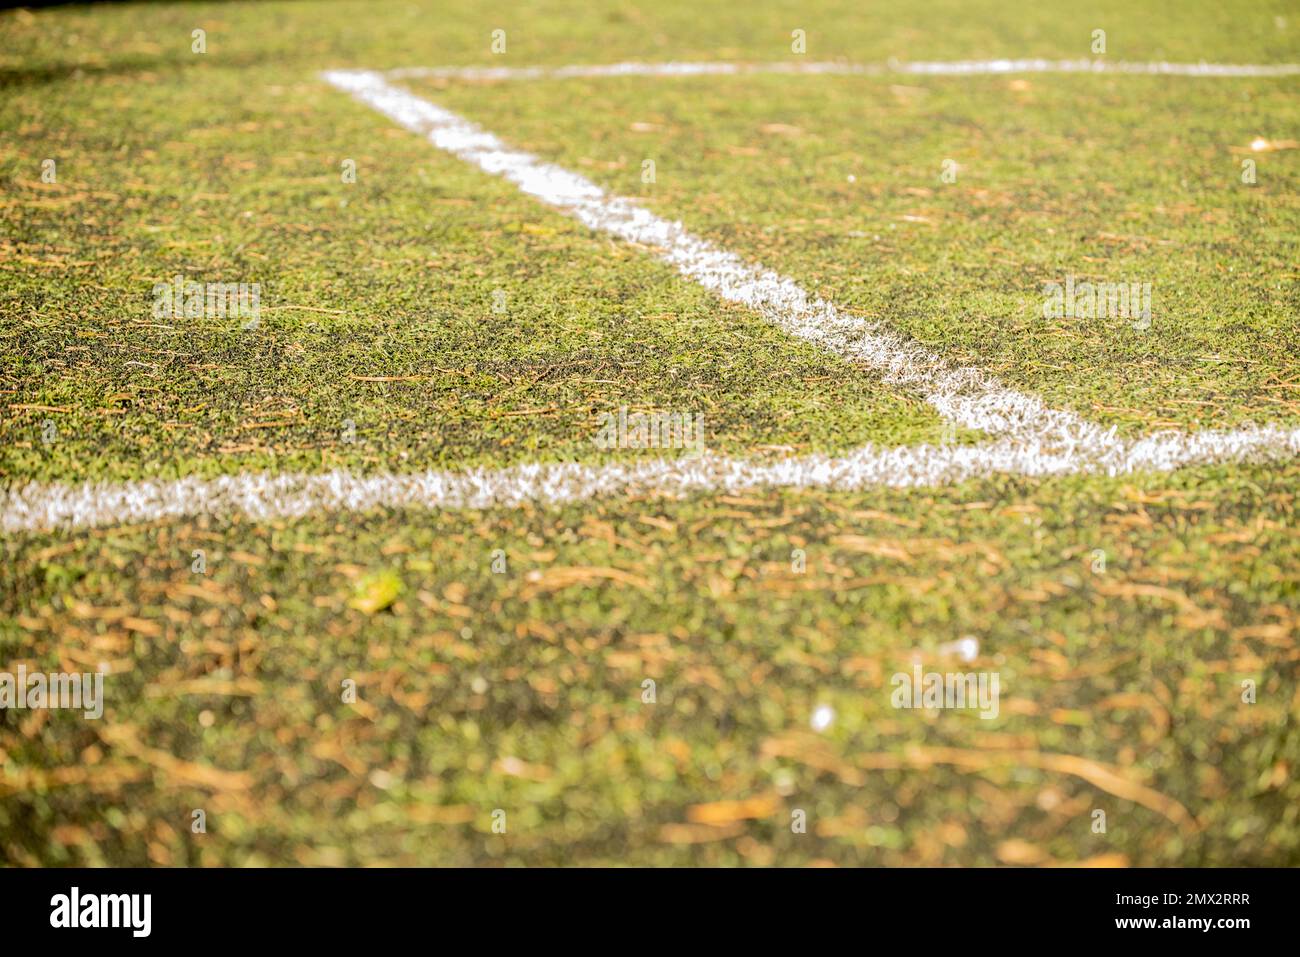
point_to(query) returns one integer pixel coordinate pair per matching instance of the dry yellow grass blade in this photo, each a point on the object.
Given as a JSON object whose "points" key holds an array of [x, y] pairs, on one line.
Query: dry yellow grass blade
{"points": [[813, 753], [236, 688], [103, 779], [880, 547], [1132, 699], [698, 833], [725, 812], [1109, 779], [557, 579], [175, 771]]}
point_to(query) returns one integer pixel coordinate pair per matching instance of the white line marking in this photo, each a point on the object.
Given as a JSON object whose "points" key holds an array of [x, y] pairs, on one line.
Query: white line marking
{"points": [[964, 395], [262, 496], [1037, 442], [918, 68]]}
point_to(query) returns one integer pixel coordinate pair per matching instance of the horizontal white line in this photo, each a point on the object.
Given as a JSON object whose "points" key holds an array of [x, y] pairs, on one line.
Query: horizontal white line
{"points": [[964, 395], [1037, 441], [915, 68], [263, 496]]}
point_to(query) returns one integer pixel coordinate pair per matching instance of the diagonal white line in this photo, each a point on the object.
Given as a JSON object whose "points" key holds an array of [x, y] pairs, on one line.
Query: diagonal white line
{"points": [[916, 68], [264, 496], [1036, 442], [964, 395]]}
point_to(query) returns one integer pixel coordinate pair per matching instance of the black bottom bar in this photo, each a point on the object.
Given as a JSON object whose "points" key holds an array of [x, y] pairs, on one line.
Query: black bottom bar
{"points": [[334, 907]]}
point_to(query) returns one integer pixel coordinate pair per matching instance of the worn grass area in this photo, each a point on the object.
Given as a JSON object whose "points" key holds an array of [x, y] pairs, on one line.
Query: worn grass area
{"points": [[1121, 616], [1121, 682], [1111, 179]]}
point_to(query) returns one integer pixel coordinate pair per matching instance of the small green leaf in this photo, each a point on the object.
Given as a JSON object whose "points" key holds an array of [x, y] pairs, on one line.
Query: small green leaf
{"points": [[376, 591]]}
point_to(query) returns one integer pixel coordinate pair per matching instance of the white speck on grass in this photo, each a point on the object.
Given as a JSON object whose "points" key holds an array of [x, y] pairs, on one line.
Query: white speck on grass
{"points": [[822, 717], [967, 648]]}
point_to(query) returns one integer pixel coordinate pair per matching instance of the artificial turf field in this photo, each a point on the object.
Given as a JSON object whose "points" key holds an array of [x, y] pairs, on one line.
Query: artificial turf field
{"points": [[456, 322]]}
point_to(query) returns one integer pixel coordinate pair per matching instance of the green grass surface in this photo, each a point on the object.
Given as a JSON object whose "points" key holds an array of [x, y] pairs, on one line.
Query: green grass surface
{"points": [[522, 691], [1122, 616], [131, 38], [1111, 179], [389, 278]]}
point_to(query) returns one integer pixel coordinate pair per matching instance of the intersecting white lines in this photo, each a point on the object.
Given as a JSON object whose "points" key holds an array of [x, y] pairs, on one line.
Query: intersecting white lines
{"points": [[1031, 439]]}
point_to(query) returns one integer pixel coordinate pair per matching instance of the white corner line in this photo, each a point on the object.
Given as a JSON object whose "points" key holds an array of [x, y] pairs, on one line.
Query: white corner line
{"points": [[1034, 442], [837, 68], [263, 496], [963, 395]]}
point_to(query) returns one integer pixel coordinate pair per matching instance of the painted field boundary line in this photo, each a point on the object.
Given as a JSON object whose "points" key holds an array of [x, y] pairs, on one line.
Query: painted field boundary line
{"points": [[963, 395], [1035, 441], [834, 68], [263, 496]]}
